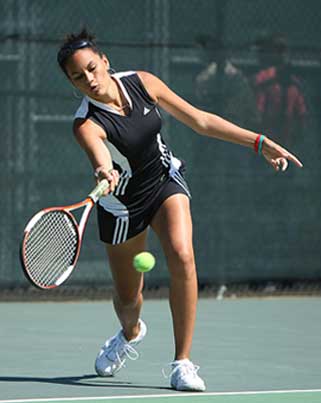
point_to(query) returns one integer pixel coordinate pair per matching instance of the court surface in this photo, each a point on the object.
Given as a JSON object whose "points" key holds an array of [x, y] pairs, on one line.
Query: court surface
{"points": [[249, 350]]}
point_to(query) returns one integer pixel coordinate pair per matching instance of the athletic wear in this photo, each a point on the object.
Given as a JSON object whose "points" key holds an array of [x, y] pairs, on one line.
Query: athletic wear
{"points": [[112, 356], [184, 376], [123, 229], [149, 173]]}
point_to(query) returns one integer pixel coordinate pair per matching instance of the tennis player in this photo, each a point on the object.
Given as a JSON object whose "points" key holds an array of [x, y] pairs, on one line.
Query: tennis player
{"points": [[118, 124]]}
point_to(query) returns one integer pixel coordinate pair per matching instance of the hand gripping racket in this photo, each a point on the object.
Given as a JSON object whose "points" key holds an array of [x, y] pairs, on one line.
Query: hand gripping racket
{"points": [[52, 241]]}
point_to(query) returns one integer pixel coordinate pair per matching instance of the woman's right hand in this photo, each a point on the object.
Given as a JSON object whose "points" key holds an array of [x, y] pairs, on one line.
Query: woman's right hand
{"points": [[112, 175]]}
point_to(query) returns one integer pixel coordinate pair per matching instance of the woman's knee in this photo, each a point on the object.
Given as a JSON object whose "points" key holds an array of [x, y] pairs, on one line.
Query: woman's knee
{"points": [[182, 261]]}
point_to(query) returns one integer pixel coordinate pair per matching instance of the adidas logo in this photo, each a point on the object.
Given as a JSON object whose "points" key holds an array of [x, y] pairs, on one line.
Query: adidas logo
{"points": [[146, 110]]}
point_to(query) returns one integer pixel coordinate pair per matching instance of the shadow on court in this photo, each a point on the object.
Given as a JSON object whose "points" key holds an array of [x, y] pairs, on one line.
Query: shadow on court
{"points": [[47, 349], [80, 381]]}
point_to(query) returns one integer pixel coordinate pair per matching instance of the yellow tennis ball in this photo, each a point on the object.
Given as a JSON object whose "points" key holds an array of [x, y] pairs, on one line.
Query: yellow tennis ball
{"points": [[144, 262]]}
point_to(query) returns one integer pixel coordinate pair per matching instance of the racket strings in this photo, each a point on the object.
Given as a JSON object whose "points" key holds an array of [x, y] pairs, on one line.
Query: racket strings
{"points": [[51, 247]]}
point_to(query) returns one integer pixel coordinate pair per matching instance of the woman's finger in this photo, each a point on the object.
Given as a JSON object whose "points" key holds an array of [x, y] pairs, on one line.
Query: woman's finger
{"points": [[282, 164], [295, 160], [275, 165], [111, 179], [116, 176]]}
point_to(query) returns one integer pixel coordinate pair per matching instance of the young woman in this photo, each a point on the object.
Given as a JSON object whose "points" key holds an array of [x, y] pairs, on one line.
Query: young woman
{"points": [[118, 125]]}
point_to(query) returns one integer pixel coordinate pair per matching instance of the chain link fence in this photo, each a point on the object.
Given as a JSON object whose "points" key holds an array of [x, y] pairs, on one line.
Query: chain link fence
{"points": [[251, 61]]}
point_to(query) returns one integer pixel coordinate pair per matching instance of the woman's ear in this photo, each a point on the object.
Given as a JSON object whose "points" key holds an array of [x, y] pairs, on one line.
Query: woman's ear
{"points": [[106, 61]]}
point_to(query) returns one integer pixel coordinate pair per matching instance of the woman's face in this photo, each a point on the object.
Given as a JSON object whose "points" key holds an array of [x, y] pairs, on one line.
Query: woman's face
{"points": [[87, 70]]}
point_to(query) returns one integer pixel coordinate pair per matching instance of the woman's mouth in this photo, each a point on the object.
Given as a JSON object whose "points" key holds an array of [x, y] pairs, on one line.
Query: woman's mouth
{"points": [[94, 88]]}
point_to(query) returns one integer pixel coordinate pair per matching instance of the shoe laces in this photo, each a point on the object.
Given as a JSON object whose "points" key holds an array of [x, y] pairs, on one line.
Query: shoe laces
{"points": [[186, 367], [121, 348]]}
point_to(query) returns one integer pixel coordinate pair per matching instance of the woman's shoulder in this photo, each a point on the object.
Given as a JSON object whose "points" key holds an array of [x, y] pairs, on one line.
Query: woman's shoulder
{"points": [[82, 109], [150, 83], [142, 81], [146, 77]]}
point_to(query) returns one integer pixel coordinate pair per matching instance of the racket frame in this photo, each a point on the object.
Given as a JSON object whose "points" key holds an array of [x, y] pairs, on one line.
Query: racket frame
{"points": [[88, 204]]}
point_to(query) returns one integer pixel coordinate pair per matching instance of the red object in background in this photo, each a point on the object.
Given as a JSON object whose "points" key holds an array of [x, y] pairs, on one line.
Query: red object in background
{"points": [[280, 101]]}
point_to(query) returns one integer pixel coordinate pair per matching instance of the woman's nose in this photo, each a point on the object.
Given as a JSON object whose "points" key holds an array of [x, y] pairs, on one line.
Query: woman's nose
{"points": [[89, 77]]}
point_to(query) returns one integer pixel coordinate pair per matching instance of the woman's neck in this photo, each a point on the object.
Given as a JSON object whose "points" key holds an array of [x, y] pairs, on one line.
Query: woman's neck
{"points": [[115, 98]]}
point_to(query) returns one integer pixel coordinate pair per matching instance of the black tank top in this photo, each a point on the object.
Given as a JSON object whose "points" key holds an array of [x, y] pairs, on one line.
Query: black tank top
{"points": [[137, 148]]}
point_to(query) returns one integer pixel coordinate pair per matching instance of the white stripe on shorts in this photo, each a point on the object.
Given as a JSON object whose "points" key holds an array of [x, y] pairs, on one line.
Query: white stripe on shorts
{"points": [[121, 230], [112, 205]]}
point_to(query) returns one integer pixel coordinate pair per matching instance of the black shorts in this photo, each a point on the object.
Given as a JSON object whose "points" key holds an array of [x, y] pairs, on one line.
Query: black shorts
{"points": [[117, 223]]}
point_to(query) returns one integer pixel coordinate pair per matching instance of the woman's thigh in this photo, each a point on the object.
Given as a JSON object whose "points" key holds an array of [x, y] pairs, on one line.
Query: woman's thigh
{"points": [[173, 226]]}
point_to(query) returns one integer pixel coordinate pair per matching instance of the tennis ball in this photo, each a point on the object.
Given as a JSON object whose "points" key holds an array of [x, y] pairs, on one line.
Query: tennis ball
{"points": [[144, 262]]}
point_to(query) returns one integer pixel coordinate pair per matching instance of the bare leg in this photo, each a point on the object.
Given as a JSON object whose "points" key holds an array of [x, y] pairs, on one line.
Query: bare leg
{"points": [[173, 225], [128, 283]]}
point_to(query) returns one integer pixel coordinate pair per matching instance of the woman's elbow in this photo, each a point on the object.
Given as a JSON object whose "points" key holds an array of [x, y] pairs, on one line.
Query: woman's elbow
{"points": [[201, 124]]}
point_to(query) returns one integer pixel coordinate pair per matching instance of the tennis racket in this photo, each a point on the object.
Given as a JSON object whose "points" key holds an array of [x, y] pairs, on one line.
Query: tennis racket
{"points": [[52, 241]]}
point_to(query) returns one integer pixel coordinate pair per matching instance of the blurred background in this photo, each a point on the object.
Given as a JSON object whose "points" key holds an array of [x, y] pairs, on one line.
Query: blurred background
{"points": [[255, 62]]}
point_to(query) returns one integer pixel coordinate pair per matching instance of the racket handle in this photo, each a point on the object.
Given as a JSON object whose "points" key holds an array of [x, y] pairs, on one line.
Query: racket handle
{"points": [[99, 190]]}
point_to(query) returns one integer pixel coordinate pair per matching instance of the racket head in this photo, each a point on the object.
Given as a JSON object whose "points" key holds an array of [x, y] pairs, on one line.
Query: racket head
{"points": [[50, 247]]}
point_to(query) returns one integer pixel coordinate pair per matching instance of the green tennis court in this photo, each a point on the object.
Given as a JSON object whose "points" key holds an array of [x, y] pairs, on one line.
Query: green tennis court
{"points": [[249, 350]]}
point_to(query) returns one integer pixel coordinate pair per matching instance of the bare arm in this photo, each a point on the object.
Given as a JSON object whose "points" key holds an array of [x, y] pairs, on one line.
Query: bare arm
{"points": [[91, 138], [210, 124]]}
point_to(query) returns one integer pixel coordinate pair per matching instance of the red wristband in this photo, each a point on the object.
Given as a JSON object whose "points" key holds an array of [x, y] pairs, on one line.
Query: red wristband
{"points": [[257, 142]]}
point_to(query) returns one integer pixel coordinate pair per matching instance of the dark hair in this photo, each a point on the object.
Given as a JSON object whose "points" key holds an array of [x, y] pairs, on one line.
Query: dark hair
{"points": [[74, 42]]}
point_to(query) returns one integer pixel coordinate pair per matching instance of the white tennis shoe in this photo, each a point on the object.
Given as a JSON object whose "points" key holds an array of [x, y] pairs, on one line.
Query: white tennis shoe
{"points": [[183, 376], [113, 354]]}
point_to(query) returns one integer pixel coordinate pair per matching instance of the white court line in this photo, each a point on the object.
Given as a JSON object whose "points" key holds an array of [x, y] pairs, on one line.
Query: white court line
{"points": [[83, 399]]}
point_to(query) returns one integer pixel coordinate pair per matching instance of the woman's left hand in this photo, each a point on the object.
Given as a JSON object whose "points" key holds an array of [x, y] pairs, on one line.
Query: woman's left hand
{"points": [[278, 156]]}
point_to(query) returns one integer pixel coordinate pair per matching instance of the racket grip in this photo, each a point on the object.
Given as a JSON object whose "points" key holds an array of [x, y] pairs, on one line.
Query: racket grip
{"points": [[99, 190]]}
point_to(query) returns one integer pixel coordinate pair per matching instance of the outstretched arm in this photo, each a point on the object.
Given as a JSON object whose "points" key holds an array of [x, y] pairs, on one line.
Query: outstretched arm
{"points": [[212, 125]]}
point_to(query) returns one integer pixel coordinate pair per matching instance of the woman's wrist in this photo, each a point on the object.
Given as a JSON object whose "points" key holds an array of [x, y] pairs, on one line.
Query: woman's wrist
{"points": [[101, 171], [258, 144]]}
